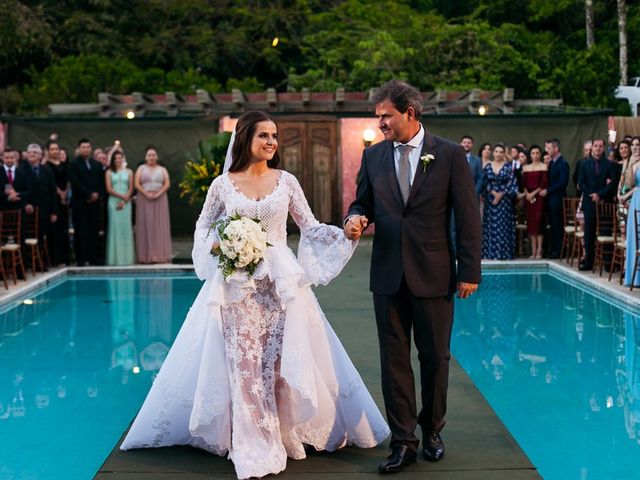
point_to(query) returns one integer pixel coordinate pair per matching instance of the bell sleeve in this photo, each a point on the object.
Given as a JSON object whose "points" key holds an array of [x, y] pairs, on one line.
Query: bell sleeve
{"points": [[204, 237]]}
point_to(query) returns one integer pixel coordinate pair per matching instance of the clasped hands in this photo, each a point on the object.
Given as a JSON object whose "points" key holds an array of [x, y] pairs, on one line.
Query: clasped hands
{"points": [[354, 226]]}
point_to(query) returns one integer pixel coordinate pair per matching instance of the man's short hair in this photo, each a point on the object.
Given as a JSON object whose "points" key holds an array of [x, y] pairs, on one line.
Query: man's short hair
{"points": [[8, 149], [401, 95], [466, 136], [84, 140], [555, 142]]}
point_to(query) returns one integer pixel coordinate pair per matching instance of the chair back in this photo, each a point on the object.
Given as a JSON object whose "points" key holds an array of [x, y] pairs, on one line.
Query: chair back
{"points": [[10, 226], [569, 205], [605, 217]]}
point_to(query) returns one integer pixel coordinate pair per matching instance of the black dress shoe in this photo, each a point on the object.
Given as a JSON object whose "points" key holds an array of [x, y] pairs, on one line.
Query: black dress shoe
{"points": [[433, 447], [583, 267], [400, 457]]}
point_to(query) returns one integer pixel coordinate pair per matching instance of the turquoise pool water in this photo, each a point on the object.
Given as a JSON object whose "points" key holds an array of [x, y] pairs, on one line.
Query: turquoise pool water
{"points": [[561, 368], [75, 367]]}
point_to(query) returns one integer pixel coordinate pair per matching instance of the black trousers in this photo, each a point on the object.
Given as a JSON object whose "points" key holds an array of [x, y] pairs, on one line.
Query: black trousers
{"points": [[85, 240], [431, 320], [556, 229], [589, 209]]}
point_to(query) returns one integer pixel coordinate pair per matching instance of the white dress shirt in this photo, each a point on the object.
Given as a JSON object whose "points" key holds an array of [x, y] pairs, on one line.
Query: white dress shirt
{"points": [[414, 157]]}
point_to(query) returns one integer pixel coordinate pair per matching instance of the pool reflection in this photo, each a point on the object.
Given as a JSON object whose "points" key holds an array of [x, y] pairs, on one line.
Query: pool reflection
{"points": [[561, 368]]}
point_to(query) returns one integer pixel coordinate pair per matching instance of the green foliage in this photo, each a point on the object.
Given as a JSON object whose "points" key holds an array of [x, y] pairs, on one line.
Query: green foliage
{"points": [[68, 51], [199, 173]]}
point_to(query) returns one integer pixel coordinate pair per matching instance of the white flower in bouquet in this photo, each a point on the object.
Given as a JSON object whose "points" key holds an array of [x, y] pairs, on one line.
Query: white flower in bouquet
{"points": [[243, 243]]}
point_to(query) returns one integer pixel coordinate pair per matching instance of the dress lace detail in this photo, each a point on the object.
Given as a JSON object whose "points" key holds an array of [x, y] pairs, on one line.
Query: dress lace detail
{"points": [[258, 353]]}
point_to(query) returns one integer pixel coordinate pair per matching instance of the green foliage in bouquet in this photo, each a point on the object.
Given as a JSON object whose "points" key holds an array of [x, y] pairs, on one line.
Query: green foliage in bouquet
{"points": [[200, 172]]}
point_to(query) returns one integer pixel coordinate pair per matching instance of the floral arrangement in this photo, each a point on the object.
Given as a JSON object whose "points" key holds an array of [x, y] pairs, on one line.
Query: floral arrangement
{"points": [[200, 172], [242, 244]]}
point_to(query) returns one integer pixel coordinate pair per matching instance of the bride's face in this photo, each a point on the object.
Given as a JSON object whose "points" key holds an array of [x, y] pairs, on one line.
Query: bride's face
{"points": [[265, 141]]}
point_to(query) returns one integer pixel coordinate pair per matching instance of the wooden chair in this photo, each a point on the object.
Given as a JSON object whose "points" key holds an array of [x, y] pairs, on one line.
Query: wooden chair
{"points": [[32, 240], [605, 220], [2, 270], [619, 245], [11, 241], [578, 236], [569, 207], [637, 252]]}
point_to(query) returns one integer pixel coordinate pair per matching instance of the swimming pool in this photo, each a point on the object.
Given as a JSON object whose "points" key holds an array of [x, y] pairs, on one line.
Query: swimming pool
{"points": [[561, 368], [76, 362]]}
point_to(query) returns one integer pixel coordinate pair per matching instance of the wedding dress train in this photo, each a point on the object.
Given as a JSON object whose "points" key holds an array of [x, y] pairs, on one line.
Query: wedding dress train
{"points": [[256, 371]]}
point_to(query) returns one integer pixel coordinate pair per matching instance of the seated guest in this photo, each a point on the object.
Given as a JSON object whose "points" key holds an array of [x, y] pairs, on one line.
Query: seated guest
{"points": [[15, 189], [43, 191], [119, 185]]}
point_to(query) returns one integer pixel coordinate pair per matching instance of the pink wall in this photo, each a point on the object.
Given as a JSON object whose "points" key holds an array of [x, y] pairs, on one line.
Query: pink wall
{"points": [[351, 146]]}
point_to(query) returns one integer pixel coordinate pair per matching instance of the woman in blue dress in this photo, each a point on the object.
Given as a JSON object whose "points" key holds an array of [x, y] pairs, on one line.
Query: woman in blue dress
{"points": [[634, 204], [119, 185], [498, 224]]}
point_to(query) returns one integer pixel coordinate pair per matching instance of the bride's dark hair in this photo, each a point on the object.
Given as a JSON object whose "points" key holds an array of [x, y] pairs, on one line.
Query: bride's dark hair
{"points": [[245, 130]]}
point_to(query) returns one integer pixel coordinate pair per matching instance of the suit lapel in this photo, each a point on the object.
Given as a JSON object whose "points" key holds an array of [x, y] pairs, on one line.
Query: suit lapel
{"points": [[428, 147], [389, 172]]}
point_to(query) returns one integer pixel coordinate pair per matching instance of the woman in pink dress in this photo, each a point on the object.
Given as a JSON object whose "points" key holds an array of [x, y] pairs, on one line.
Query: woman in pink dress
{"points": [[153, 229]]}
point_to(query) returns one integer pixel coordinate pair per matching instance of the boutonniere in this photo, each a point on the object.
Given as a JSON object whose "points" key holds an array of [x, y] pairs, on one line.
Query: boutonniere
{"points": [[426, 160]]}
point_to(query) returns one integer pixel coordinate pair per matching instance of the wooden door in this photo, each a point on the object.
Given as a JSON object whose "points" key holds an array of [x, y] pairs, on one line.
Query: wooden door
{"points": [[308, 151]]}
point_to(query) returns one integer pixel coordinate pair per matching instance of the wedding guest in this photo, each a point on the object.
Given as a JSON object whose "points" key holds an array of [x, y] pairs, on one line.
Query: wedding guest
{"points": [[474, 162], [153, 230], [598, 182], [64, 155], [623, 157], [535, 179], [485, 154], [58, 236], [15, 187], [498, 223], [43, 192], [586, 151], [634, 205], [554, 193], [119, 185], [87, 183]]}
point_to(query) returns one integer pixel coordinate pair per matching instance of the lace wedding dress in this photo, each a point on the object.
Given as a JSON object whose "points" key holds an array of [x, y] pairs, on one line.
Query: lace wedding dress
{"points": [[256, 371]]}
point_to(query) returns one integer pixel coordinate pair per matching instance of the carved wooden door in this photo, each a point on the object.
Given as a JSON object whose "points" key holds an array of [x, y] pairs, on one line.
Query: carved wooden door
{"points": [[308, 151]]}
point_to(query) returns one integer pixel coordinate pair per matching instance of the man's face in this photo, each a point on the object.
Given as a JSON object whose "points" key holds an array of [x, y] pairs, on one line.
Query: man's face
{"points": [[9, 159], [514, 153], [586, 149], [467, 144], [34, 157], [395, 126], [597, 149], [551, 149], [85, 149], [100, 156]]}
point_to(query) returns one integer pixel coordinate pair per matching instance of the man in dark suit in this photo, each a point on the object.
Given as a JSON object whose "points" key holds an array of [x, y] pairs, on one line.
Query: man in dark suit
{"points": [[466, 142], [409, 185], [555, 192], [598, 182], [44, 190], [15, 188], [86, 177]]}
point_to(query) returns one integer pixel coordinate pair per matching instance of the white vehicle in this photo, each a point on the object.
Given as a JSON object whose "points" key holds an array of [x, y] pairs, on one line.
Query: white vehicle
{"points": [[631, 93]]}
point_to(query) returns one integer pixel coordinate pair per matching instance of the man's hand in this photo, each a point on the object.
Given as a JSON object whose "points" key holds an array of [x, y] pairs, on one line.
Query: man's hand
{"points": [[466, 289], [595, 197], [53, 218], [354, 226], [28, 209], [94, 197]]}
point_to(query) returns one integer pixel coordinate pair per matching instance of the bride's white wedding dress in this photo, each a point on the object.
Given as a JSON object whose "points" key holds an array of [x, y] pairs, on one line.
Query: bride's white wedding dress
{"points": [[256, 371]]}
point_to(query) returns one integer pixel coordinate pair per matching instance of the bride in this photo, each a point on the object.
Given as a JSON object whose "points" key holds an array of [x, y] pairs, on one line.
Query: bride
{"points": [[256, 372]]}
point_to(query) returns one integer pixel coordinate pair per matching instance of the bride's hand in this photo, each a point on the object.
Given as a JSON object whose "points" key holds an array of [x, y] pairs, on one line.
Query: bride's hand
{"points": [[215, 248]]}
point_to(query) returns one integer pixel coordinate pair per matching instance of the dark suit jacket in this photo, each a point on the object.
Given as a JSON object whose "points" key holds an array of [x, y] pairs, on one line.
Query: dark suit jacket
{"points": [[558, 181], [21, 185], [84, 182], [476, 172], [415, 240], [605, 184], [44, 192]]}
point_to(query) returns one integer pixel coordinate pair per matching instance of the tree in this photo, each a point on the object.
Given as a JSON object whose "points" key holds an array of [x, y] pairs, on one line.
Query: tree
{"points": [[622, 35], [588, 9]]}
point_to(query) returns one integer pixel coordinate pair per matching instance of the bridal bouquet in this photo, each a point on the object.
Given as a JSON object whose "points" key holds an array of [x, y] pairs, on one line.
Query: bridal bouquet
{"points": [[242, 244]]}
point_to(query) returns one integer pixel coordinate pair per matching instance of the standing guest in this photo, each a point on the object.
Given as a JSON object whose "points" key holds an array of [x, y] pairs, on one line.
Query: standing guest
{"points": [[44, 193], [623, 157], [153, 230], [498, 222], [64, 155], [474, 162], [598, 182], [634, 205], [15, 188], [535, 179], [87, 183], [586, 151], [485, 154], [100, 156], [119, 185], [58, 237], [558, 178], [516, 165]]}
